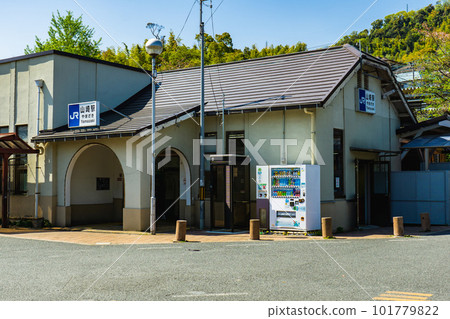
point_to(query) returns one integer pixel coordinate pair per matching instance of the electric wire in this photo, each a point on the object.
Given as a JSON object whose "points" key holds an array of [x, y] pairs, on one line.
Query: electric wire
{"points": [[214, 11], [185, 21], [217, 66]]}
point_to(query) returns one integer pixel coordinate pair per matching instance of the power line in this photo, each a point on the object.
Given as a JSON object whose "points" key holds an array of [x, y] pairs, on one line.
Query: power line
{"points": [[185, 21], [214, 35], [214, 11]]}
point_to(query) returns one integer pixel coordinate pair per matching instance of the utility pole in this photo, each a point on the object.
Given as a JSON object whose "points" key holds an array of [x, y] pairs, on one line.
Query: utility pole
{"points": [[202, 120], [223, 124]]}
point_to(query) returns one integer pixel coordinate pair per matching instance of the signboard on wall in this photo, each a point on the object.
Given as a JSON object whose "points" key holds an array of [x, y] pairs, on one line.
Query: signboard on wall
{"points": [[85, 114], [366, 101]]}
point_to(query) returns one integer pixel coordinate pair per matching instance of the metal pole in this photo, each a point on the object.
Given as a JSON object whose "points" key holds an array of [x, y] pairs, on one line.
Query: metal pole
{"points": [[153, 198], [223, 124], [202, 122], [36, 186], [5, 191], [427, 159]]}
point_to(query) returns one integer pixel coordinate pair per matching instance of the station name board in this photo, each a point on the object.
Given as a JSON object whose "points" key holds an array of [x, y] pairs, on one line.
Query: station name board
{"points": [[366, 101], [85, 114]]}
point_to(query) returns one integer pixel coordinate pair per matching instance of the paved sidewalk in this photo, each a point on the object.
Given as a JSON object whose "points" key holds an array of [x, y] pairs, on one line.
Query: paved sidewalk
{"points": [[92, 236]]}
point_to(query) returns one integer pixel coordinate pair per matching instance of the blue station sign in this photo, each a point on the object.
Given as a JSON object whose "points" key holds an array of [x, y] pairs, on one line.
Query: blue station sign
{"points": [[366, 101], [85, 114]]}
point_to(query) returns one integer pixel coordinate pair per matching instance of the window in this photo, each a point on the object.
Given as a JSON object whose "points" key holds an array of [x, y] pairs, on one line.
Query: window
{"points": [[338, 152], [20, 163], [235, 143]]}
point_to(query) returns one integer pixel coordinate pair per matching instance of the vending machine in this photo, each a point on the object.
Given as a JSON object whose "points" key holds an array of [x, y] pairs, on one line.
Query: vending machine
{"points": [[293, 196]]}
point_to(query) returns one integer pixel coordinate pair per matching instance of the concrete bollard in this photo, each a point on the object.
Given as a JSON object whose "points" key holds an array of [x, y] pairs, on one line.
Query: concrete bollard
{"points": [[327, 230], [425, 221], [180, 232], [254, 229], [398, 226]]}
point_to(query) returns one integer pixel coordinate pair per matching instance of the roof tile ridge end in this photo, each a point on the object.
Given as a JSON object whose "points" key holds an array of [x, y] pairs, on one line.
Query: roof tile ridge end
{"points": [[354, 51]]}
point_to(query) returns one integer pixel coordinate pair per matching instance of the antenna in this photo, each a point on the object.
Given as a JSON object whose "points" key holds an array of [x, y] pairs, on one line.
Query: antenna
{"points": [[155, 29]]}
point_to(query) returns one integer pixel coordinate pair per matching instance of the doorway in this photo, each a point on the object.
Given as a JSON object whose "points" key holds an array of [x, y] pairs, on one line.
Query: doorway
{"points": [[94, 188], [372, 192], [167, 191], [230, 192]]}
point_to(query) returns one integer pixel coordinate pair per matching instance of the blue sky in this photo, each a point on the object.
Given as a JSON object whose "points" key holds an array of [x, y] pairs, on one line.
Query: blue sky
{"points": [[316, 23]]}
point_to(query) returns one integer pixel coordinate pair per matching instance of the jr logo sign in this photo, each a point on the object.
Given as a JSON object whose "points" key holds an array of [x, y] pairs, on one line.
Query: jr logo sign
{"points": [[86, 114], [366, 101]]}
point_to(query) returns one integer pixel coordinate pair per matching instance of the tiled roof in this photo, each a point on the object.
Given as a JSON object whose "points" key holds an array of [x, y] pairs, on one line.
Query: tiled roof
{"points": [[305, 79]]}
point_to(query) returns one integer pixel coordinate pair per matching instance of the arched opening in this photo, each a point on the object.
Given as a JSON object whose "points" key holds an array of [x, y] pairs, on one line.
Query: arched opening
{"points": [[95, 186], [173, 180]]}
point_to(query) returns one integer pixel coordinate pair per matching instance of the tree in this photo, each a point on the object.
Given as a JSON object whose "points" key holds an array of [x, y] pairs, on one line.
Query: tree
{"points": [[434, 85], [68, 34], [397, 36]]}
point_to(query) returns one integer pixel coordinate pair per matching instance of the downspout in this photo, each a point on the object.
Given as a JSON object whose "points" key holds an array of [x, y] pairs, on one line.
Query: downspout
{"points": [[39, 84], [284, 155], [313, 134], [223, 125]]}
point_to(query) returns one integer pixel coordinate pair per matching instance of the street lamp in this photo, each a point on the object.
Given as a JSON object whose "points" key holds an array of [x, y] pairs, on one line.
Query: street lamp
{"points": [[154, 47]]}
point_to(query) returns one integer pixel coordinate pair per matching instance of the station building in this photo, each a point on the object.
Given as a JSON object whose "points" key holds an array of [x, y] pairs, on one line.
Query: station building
{"points": [[288, 109]]}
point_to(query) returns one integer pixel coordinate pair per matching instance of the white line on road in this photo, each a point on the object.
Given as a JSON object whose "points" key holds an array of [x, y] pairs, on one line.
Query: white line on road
{"points": [[330, 242], [148, 248], [246, 245], [212, 295], [405, 239], [103, 243]]}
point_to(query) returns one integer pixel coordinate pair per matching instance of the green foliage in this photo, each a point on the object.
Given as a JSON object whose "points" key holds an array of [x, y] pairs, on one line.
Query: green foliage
{"points": [[68, 34], [434, 85], [398, 36], [218, 49]]}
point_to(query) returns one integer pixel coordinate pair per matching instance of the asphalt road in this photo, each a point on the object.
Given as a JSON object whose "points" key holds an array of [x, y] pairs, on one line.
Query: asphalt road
{"points": [[264, 270]]}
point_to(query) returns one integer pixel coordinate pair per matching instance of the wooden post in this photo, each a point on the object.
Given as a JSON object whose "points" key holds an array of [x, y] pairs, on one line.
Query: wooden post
{"points": [[398, 226], [180, 232], [327, 230], [254, 229], [5, 223], [425, 221]]}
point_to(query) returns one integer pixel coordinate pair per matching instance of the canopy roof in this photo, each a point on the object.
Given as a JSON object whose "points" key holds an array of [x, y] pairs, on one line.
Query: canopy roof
{"points": [[433, 141], [11, 143]]}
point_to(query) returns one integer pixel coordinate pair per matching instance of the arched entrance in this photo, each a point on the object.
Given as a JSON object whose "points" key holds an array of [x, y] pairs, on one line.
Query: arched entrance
{"points": [[95, 186], [173, 180]]}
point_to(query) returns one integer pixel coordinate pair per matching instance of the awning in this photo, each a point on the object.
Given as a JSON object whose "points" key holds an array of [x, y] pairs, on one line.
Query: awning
{"points": [[431, 141], [374, 150], [10, 143], [229, 159]]}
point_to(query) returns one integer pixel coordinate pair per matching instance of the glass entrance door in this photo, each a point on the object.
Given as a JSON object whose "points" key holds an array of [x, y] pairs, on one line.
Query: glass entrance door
{"points": [[230, 197]]}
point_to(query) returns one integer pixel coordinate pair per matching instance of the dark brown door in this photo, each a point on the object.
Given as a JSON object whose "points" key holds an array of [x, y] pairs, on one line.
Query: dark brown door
{"points": [[380, 195], [167, 192]]}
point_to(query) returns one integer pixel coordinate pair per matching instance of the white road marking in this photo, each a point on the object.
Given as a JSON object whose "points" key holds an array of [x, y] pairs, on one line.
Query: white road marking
{"points": [[246, 245], [202, 294], [326, 242], [149, 248], [412, 239], [103, 243]]}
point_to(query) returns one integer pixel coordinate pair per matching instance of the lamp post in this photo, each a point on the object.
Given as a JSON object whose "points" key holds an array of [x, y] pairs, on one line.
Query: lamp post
{"points": [[40, 85], [154, 47]]}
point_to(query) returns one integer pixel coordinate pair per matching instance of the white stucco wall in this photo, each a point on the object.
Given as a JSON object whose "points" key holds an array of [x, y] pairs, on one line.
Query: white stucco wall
{"points": [[78, 80], [96, 161]]}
